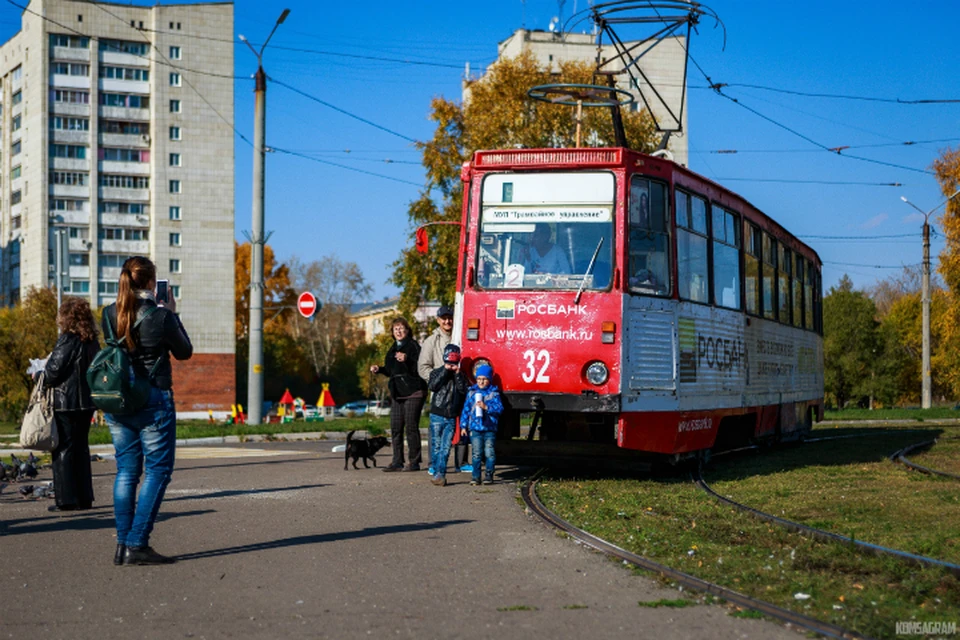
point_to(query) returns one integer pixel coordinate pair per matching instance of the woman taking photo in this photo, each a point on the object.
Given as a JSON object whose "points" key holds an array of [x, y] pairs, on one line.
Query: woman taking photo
{"points": [[408, 392], [66, 374], [145, 440]]}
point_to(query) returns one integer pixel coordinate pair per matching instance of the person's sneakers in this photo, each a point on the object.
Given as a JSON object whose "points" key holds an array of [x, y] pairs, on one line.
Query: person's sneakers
{"points": [[474, 482], [392, 467], [467, 468], [432, 471], [119, 553], [439, 481], [488, 479], [144, 556]]}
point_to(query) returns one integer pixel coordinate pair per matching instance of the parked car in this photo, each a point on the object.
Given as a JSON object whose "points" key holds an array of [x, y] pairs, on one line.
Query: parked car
{"points": [[380, 408], [356, 408], [310, 411]]}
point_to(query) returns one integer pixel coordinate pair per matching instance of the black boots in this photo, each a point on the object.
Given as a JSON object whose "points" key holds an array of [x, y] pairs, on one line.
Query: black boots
{"points": [[144, 556]]}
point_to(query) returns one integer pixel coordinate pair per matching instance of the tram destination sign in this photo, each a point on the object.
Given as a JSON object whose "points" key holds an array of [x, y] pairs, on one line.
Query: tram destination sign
{"points": [[548, 214]]}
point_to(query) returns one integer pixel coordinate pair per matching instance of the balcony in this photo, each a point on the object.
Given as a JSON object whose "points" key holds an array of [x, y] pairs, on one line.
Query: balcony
{"points": [[69, 109], [123, 59], [124, 113], [79, 245], [128, 168], [59, 81], [130, 195], [69, 191], [137, 221], [80, 272], [112, 85], [70, 53], [128, 140], [70, 137], [70, 164], [134, 247], [110, 274], [70, 217]]}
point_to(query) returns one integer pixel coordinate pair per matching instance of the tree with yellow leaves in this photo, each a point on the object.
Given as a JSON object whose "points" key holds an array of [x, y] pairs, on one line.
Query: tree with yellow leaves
{"points": [[279, 297], [946, 358], [497, 115]]}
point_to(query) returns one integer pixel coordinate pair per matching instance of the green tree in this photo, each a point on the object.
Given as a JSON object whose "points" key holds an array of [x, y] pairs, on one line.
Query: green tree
{"points": [[27, 330], [497, 114], [851, 343]]}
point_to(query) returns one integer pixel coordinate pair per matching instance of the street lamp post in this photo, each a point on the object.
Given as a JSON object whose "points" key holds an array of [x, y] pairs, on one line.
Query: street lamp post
{"points": [[257, 239], [926, 393]]}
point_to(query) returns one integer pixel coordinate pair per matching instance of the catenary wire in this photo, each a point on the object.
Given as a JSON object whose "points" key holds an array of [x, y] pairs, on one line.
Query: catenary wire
{"points": [[343, 166]]}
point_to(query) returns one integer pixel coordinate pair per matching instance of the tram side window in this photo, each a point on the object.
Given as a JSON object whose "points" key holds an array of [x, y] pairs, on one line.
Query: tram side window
{"points": [[798, 291], [808, 284], [784, 261], [648, 257], [769, 276], [751, 264], [726, 258], [692, 247], [818, 304]]}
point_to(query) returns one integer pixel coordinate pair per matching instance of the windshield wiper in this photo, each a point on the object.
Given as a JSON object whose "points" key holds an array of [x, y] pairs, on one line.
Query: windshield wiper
{"points": [[596, 252]]}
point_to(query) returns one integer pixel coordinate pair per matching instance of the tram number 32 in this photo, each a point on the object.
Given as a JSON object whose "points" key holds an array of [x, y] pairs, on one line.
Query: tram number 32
{"points": [[533, 359]]}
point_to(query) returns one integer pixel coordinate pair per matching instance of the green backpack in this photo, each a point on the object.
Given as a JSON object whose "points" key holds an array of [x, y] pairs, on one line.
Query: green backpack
{"points": [[114, 385]]}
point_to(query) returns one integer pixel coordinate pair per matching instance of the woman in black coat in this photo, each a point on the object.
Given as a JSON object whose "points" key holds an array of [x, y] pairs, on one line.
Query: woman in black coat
{"points": [[408, 392], [66, 373]]}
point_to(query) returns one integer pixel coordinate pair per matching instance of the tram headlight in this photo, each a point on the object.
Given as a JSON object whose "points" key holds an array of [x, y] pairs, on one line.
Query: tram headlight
{"points": [[597, 373]]}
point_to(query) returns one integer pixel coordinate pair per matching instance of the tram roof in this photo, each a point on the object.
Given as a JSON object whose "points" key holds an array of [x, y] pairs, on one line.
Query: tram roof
{"points": [[610, 157]]}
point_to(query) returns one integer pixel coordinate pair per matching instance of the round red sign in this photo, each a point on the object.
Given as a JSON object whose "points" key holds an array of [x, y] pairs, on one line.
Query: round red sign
{"points": [[307, 304]]}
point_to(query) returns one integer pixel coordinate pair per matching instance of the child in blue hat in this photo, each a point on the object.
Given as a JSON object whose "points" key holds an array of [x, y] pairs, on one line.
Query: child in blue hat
{"points": [[481, 413]]}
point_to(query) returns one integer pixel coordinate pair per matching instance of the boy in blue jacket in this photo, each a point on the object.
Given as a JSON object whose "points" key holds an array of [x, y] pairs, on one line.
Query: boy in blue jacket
{"points": [[481, 412]]}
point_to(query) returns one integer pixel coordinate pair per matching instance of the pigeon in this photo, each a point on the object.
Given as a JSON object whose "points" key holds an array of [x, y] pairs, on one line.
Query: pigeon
{"points": [[26, 491], [34, 460], [42, 492], [28, 470]]}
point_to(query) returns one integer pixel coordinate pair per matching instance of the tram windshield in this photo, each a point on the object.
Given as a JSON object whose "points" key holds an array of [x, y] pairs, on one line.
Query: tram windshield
{"points": [[546, 231]]}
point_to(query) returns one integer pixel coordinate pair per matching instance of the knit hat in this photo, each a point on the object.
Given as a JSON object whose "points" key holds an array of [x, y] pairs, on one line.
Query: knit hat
{"points": [[485, 371], [451, 354]]}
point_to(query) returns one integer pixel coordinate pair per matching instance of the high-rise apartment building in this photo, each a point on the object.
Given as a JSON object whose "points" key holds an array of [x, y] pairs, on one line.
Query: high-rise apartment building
{"points": [[663, 66], [116, 131]]}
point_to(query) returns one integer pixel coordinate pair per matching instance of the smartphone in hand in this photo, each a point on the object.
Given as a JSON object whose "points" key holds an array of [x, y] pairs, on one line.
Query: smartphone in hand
{"points": [[163, 288]]}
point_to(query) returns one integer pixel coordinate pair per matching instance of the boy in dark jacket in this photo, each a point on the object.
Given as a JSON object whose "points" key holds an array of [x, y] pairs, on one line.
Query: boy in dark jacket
{"points": [[449, 389]]}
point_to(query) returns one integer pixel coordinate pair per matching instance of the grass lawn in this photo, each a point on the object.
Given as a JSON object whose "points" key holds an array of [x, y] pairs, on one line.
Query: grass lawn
{"points": [[846, 486], [943, 456], [936, 413]]}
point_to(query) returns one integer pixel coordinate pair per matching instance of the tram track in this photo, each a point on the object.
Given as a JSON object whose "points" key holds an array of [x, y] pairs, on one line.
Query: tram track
{"points": [[901, 458], [535, 506]]}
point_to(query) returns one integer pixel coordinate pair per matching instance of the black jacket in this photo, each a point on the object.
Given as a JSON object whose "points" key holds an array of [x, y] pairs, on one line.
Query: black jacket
{"points": [[158, 336], [404, 379], [449, 391], [66, 372]]}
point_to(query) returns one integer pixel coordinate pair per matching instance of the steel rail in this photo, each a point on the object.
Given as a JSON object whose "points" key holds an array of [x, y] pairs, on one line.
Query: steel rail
{"points": [[530, 498], [901, 457], [826, 536]]}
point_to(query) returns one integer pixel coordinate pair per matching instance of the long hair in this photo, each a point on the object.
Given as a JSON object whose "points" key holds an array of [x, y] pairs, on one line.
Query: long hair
{"points": [[75, 317], [137, 273]]}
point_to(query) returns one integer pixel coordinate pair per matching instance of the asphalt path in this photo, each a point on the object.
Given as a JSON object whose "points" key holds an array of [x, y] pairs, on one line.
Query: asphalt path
{"points": [[276, 539]]}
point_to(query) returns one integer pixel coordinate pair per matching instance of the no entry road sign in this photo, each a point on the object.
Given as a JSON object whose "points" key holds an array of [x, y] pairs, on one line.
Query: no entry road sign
{"points": [[307, 304]]}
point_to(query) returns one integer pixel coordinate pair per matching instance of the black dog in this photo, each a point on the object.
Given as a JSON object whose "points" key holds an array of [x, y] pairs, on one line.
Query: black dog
{"points": [[365, 449]]}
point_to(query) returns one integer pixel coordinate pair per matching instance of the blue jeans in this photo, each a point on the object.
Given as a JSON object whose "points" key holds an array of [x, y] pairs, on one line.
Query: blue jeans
{"points": [[146, 439], [441, 435], [481, 442]]}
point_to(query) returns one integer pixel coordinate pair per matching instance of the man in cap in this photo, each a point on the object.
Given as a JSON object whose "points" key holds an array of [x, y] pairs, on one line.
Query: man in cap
{"points": [[431, 357]]}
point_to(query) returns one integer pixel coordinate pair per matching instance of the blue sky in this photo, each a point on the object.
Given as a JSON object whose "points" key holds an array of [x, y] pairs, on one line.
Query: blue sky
{"points": [[881, 49]]}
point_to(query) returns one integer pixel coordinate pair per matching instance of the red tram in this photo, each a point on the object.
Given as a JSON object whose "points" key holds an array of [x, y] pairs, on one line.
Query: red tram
{"points": [[625, 300]]}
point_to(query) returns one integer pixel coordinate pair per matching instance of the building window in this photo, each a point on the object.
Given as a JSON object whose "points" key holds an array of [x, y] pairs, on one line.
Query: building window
{"points": [[81, 233], [124, 182], [174, 186], [175, 291], [124, 46], [117, 233], [79, 259], [174, 51], [15, 148], [16, 197], [174, 133], [125, 155], [124, 73], [174, 79], [112, 259], [132, 101], [174, 106], [69, 178], [62, 204], [71, 69], [79, 286], [70, 124], [174, 266], [129, 128], [108, 287], [174, 213], [15, 173], [17, 97], [17, 74], [175, 240], [71, 97], [15, 123], [133, 208], [72, 151], [174, 159], [74, 42]]}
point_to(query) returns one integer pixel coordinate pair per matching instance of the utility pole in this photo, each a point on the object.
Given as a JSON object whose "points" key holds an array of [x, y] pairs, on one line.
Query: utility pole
{"points": [[257, 237], [926, 399]]}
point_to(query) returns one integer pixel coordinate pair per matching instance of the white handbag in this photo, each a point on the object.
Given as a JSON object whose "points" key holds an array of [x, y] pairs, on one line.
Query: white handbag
{"points": [[38, 431]]}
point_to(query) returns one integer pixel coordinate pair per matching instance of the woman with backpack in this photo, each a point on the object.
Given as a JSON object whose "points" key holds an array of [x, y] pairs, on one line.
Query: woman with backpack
{"points": [[145, 438], [65, 373]]}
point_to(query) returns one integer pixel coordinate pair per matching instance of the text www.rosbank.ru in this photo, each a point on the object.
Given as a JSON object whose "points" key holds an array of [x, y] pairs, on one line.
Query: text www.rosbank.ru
{"points": [[550, 333]]}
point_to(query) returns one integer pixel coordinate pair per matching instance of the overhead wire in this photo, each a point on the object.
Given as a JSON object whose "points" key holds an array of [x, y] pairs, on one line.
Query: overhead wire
{"points": [[343, 166], [838, 96]]}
